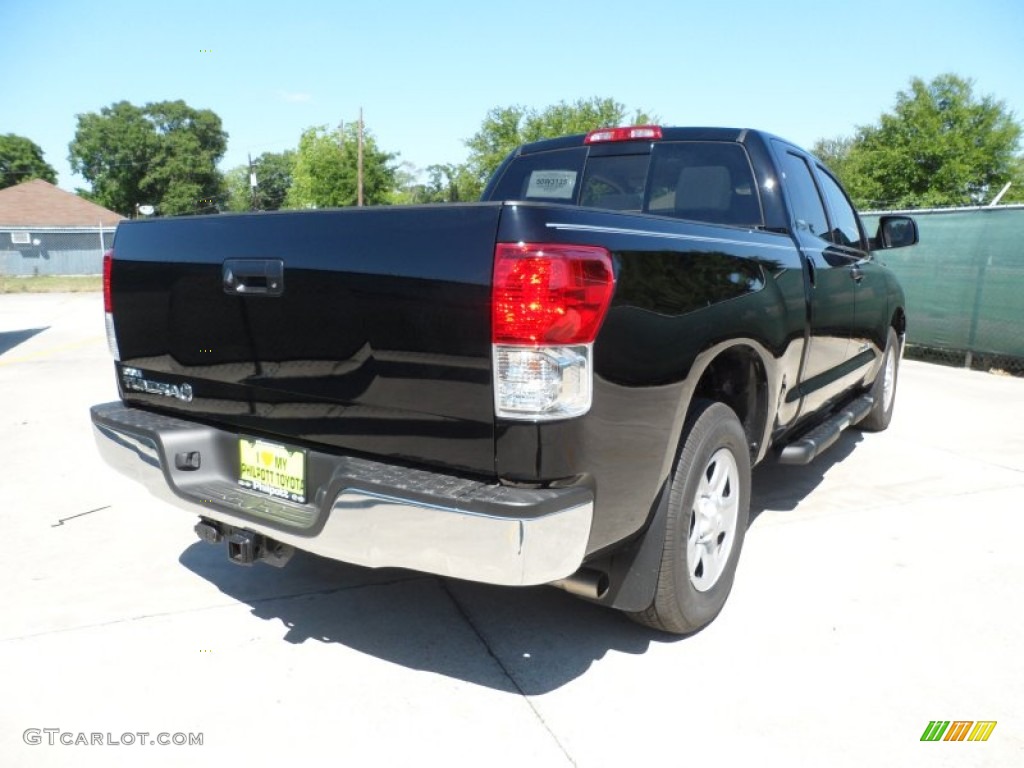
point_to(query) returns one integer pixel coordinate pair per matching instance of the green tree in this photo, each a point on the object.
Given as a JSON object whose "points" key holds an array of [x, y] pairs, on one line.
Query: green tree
{"points": [[273, 179], [325, 172], [408, 189], [163, 154], [445, 183], [239, 194], [833, 152], [451, 183], [505, 128], [21, 160], [1015, 194], [941, 145]]}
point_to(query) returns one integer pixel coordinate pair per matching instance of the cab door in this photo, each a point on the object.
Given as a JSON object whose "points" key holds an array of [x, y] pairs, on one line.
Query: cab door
{"points": [[850, 248]]}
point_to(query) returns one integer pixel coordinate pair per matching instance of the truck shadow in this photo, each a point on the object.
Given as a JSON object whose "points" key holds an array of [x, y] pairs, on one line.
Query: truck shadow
{"points": [[781, 487], [518, 640], [10, 339]]}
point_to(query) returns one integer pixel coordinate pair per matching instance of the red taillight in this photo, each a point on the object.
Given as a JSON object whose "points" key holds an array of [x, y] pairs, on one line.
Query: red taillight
{"points": [[108, 260], [549, 293], [627, 133], [108, 305]]}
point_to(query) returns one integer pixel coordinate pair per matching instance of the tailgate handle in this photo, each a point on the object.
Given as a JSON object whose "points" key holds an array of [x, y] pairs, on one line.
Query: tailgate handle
{"points": [[254, 277]]}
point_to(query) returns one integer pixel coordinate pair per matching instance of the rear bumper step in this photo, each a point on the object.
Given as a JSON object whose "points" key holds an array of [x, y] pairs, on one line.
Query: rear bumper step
{"points": [[360, 511], [804, 449]]}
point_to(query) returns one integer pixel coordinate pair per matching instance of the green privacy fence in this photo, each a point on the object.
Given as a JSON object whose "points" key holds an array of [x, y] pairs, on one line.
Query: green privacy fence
{"points": [[965, 284]]}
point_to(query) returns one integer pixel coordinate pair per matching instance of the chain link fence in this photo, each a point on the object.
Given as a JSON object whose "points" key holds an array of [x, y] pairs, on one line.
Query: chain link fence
{"points": [[965, 286], [53, 251]]}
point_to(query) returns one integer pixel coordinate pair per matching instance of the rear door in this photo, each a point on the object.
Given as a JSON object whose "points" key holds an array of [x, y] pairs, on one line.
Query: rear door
{"points": [[831, 288], [362, 329]]}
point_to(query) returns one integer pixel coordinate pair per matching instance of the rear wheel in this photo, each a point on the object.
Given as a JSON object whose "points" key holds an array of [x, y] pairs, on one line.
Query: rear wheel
{"points": [[884, 388], [708, 507]]}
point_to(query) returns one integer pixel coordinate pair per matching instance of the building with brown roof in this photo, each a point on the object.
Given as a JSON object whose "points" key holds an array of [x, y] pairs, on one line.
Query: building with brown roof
{"points": [[38, 203], [47, 231]]}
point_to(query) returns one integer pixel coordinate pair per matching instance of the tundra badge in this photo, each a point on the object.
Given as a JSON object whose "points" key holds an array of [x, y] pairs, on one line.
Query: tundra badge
{"points": [[133, 380]]}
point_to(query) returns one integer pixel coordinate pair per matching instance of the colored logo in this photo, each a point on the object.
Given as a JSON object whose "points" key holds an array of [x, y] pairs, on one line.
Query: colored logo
{"points": [[958, 730]]}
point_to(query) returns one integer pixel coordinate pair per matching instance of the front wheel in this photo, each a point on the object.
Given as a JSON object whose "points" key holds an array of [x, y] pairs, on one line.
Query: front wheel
{"points": [[708, 508], [884, 388]]}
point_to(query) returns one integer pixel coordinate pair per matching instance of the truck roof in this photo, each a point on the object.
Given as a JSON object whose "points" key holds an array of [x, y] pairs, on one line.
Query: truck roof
{"points": [[668, 133]]}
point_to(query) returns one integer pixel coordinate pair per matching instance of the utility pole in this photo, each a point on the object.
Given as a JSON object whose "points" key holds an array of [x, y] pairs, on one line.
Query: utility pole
{"points": [[253, 190], [359, 163]]}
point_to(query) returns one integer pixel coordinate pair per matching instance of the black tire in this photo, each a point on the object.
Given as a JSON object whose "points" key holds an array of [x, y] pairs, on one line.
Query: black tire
{"points": [[689, 597], [884, 387]]}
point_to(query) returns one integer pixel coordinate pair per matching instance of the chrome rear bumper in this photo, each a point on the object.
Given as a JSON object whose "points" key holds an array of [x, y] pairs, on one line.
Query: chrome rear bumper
{"points": [[360, 511]]}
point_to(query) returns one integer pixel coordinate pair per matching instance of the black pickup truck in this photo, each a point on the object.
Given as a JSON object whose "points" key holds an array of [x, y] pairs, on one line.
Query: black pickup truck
{"points": [[566, 383]]}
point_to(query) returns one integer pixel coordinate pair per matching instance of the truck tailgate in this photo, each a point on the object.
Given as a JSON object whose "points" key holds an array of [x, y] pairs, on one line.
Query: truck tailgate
{"points": [[366, 329]]}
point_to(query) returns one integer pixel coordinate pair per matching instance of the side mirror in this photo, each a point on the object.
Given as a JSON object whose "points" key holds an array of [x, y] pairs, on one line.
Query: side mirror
{"points": [[895, 232]]}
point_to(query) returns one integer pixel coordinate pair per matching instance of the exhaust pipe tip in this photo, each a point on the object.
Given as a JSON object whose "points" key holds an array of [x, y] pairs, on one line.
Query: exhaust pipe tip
{"points": [[586, 583], [208, 531]]}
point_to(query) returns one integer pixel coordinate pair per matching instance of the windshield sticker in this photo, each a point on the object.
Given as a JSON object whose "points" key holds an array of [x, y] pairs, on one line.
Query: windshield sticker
{"points": [[558, 184]]}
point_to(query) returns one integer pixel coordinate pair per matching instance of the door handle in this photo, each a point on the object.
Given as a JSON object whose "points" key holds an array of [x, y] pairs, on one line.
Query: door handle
{"points": [[253, 277], [856, 274]]}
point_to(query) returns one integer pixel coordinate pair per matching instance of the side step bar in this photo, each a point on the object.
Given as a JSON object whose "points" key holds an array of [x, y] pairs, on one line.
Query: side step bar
{"points": [[805, 448]]}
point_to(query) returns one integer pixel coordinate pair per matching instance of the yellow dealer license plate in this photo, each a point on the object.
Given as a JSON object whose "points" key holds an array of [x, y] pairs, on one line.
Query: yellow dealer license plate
{"points": [[273, 469]]}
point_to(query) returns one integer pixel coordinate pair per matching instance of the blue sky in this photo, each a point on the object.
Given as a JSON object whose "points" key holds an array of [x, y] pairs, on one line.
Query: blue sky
{"points": [[426, 73]]}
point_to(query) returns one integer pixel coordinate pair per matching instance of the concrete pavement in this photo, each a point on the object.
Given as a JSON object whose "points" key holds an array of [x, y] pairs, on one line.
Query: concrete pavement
{"points": [[879, 589]]}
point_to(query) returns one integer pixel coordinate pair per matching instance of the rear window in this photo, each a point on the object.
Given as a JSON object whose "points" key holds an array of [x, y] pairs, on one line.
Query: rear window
{"points": [[699, 180], [705, 181], [616, 182], [551, 177]]}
